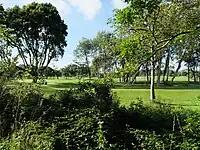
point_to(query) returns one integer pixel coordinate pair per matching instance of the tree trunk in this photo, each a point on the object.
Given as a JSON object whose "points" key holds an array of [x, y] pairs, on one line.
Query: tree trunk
{"points": [[35, 79], [152, 88], [194, 76], [130, 77], [147, 72], [199, 77], [123, 65], [134, 76], [89, 72], [127, 77], [159, 71], [124, 78], [88, 66], [179, 66], [196, 72], [199, 74], [35, 74], [167, 79], [166, 64], [188, 73]]}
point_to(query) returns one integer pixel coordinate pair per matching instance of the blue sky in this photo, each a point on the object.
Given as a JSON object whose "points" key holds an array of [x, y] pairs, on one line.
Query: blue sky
{"points": [[83, 17]]}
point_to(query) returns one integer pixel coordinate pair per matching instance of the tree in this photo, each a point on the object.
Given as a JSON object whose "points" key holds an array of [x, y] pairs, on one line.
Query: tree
{"points": [[7, 63], [154, 24], [65, 72], [104, 52], [5, 53], [181, 49], [39, 35], [70, 71], [83, 53], [48, 72], [57, 73]]}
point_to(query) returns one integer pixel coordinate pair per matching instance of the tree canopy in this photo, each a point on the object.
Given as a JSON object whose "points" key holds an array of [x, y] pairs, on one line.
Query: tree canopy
{"points": [[151, 26], [38, 33]]}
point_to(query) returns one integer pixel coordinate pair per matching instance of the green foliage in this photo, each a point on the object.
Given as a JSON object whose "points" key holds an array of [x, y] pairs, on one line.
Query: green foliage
{"points": [[146, 27], [18, 104], [83, 53], [84, 50], [38, 33], [79, 130], [104, 57], [30, 136], [75, 70], [89, 117]]}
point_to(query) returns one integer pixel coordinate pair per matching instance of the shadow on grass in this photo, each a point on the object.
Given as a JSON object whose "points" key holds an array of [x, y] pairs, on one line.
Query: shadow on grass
{"points": [[64, 85], [138, 85], [144, 85], [171, 104]]}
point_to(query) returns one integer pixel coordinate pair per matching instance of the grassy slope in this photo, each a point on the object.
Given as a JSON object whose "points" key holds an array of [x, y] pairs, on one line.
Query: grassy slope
{"points": [[179, 94]]}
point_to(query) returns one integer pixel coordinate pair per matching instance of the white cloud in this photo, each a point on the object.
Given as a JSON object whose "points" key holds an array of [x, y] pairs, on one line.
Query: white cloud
{"points": [[61, 5], [119, 4], [89, 8]]}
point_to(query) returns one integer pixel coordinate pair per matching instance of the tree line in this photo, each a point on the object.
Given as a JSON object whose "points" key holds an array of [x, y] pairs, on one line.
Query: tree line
{"points": [[155, 37], [147, 36]]}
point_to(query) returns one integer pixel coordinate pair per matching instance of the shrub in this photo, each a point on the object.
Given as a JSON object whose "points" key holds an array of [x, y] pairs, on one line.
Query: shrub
{"points": [[31, 135], [90, 117], [19, 103]]}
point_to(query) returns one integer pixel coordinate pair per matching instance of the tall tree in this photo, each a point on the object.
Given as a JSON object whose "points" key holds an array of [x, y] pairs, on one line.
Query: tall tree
{"points": [[104, 51], [7, 63], [5, 53], [83, 53], [156, 24], [39, 35]]}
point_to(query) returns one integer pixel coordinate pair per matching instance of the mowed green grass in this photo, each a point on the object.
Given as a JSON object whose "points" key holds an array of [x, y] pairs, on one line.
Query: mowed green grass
{"points": [[180, 94]]}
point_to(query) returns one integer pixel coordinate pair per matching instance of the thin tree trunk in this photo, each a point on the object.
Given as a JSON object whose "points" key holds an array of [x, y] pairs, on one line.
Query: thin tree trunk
{"points": [[147, 72], [130, 77], [159, 71], [179, 66], [152, 88], [127, 77], [134, 76], [194, 76], [89, 72], [199, 74], [123, 76], [166, 64], [88, 68], [87, 63], [194, 73], [188, 73], [120, 79], [167, 79]]}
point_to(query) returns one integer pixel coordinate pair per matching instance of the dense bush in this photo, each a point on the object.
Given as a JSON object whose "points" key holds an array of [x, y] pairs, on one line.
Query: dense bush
{"points": [[90, 117], [19, 103], [30, 136]]}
